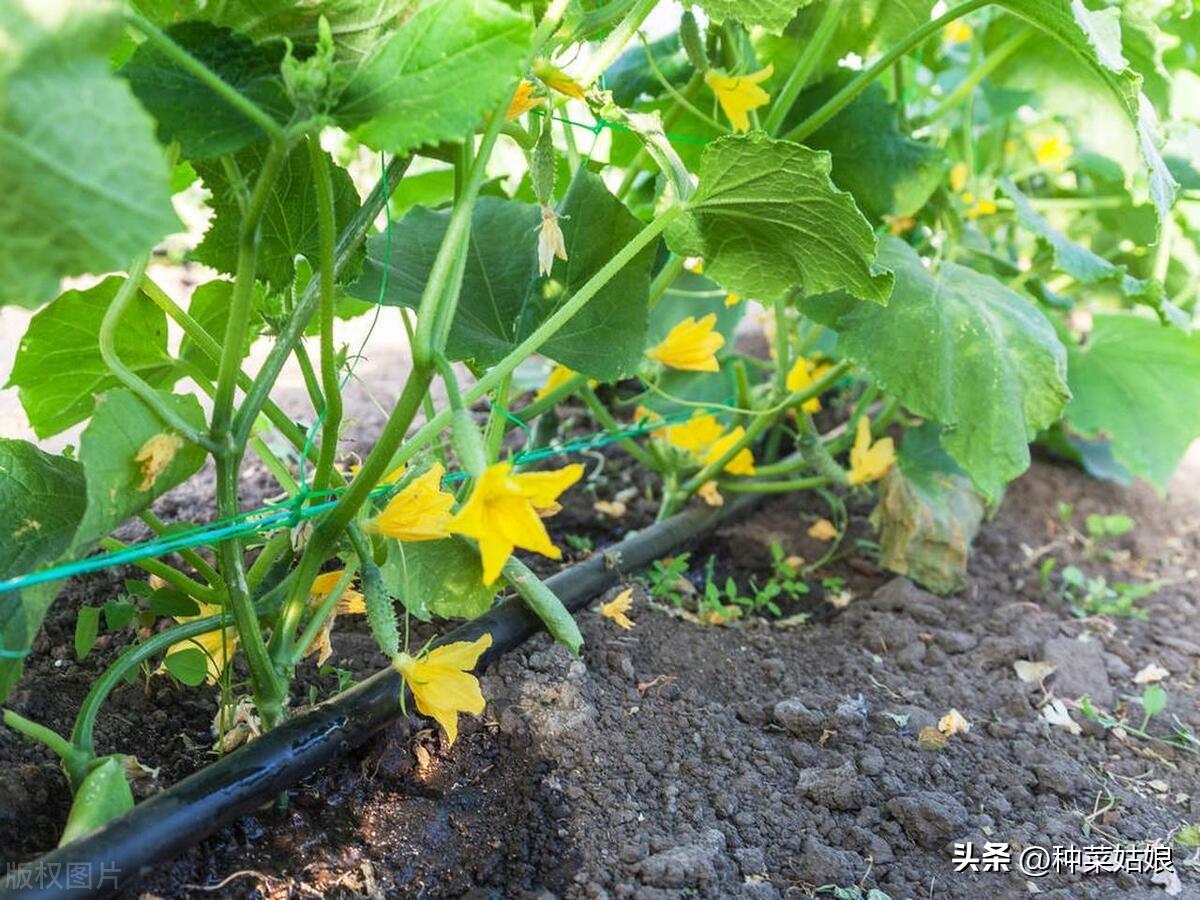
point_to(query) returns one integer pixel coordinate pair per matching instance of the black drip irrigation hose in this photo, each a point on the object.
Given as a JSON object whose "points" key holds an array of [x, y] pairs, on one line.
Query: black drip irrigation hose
{"points": [[169, 822]]}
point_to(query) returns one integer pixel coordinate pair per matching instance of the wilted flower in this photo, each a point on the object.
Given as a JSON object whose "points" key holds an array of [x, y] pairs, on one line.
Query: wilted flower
{"points": [[550, 241], [869, 462], [617, 609]]}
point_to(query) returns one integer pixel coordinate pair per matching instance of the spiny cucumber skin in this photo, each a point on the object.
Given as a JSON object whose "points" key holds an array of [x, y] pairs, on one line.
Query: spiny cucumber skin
{"points": [[381, 612]]}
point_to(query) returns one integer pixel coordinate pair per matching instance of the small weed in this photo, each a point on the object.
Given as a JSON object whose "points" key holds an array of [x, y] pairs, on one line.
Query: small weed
{"points": [[664, 578], [1096, 597], [580, 543], [1101, 527]]}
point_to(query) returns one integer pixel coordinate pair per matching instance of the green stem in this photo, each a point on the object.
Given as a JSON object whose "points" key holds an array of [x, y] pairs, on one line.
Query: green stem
{"points": [[811, 56], [74, 759], [773, 487], [665, 278], [332, 414], [967, 87], [859, 83], [274, 465], [125, 295], [678, 96], [493, 435], [320, 614], [311, 383], [194, 559], [278, 544], [169, 574], [553, 398], [205, 75]]}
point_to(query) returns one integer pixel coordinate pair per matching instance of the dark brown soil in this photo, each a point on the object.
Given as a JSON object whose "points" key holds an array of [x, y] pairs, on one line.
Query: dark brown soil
{"points": [[752, 760]]}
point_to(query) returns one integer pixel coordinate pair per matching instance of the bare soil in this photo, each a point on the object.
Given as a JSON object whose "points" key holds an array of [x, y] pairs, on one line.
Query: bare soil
{"points": [[749, 760]]}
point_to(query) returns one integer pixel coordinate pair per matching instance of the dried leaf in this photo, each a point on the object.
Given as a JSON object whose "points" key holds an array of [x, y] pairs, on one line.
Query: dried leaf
{"points": [[953, 723], [1150, 674], [931, 739], [1034, 672], [1055, 713], [613, 508], [822, 530], [155, 455]]}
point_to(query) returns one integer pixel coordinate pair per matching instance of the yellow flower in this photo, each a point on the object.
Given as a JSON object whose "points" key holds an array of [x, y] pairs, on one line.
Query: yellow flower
{"points": [[822, 530], [350, 603], [710, 495], [695, 434], [690, 345], [803, 375], [742, 462], [869, 462], [442, 684], [617, 608], [1052, 152], [420, 512], [503, 510], [733, 300], [554, 77], [958, 32], [738, 94], [523, 101], [980, 207], [694, 264], [558, 376], [218, 649], [647, 419], [958, 177]]}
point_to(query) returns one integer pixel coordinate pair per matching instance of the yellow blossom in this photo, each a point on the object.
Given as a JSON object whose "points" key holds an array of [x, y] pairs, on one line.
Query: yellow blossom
{"points": [[350, 603], [822, 530], [442, 684], [558, 376], [554, 77], [217, 648], [980, 207], [733, 299], [710, 495], [617, 609], [958, 32], [691, 345], [869, 462], [420, 512], [694, 264], [503, 510], [804, 374], [695, 434], [155, 455], [551, 243], [739, 94], [958, 177], [898, 225], [742, 462], [1052, 152], [647, 419], [523, 101]]}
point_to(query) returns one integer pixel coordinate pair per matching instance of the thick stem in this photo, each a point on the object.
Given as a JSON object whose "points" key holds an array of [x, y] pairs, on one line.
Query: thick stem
{"points": [[774, 487], [615, 43], [332, 413], [859, 83]]}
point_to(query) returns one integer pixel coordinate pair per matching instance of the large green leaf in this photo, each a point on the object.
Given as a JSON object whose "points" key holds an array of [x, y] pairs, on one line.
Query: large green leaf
{"points": [[289, 224], [118, 483], [1082, 264], [436, 76], [1138, 383], [209, 306], [1094, 39], [84, 183], [888, 172], [192, 113], [961, 349], [767, 220], [41, 502], [503, 299], [58, 366]]}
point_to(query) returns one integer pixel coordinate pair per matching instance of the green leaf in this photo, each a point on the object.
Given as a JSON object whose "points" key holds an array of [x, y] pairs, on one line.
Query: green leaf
{"points": [[770, 14], [85, 185], [1085, 266], [963, 350], [767, 220], [1138, 383], [289, 224], [102, 796], [173, 603], [503, 299], [888, 172], [189, 665], [1094, 39], [189, 111], [87, 628], [442, 578], [436, 76], [118, 484], [118, 614], [929, 512], [1154, 700], [21, 616], [58, 367], [41, 500]]}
